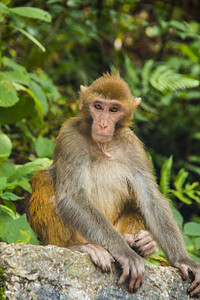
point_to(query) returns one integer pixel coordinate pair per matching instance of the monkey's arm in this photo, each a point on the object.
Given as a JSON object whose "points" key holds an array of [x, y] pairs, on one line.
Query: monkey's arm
{"points": [[159, 220]]}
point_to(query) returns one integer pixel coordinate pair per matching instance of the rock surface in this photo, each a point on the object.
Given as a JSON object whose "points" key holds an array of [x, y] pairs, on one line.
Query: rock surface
{"points": [[37, 272]]}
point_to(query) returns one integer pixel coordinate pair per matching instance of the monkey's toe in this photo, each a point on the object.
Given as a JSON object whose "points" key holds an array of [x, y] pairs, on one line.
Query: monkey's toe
{"points": [[100, 256]]}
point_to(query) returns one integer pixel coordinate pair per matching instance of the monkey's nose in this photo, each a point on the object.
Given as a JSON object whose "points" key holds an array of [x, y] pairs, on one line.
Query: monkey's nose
{"points": [[103, 126]]}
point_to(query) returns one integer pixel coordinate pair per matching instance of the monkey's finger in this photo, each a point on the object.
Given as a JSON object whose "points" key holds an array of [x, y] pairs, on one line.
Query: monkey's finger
{"points": [[142, 234], [144, 241], [184, 270], [93, 256], [103, 257], [106, 258], [195, 286], [148, 249], [130, 239], [124, 275], [135, 283], [195, 291]]}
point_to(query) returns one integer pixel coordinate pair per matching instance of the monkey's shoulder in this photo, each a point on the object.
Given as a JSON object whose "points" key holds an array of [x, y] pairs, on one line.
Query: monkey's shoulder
{"points": [[71, 133]]}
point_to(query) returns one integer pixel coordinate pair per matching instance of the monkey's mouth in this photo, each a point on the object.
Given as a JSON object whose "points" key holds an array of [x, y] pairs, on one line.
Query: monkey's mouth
{"points": [[102, 138]]}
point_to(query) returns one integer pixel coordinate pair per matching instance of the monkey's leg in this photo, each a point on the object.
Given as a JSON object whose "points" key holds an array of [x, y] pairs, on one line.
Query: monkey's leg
{"points": [[50, 229], [41, 212], [132, 227]]}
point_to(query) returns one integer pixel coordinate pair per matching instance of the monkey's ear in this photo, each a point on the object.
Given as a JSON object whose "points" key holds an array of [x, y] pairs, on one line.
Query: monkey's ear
{"points": [[136, 102], [83, 89]]}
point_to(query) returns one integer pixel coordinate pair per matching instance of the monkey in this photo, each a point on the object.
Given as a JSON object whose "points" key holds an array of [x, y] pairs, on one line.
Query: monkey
{"points": [[100, 197]]}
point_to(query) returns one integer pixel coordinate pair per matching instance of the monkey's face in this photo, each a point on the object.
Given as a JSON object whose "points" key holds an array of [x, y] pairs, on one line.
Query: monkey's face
{"points": [[105, 115]]}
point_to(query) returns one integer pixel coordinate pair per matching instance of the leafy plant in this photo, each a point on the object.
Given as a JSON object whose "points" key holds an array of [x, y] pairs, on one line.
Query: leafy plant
{"points": [[188, 194], [2, 284], [165, 79], [13, 227]]}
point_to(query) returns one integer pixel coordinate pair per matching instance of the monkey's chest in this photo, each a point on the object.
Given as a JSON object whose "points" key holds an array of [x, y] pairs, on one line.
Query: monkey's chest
{"points": [[106, 185]]}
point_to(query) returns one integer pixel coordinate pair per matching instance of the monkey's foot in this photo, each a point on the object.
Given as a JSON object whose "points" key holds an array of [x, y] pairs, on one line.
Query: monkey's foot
{"points": [[100, 256], [142, 243]]}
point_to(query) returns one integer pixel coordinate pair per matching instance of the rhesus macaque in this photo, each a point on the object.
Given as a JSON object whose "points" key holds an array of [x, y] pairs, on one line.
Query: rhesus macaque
{"points": [[100, 197]]}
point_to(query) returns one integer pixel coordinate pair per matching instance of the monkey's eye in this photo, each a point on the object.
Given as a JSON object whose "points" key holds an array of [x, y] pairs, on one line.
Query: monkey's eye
{"points": [[114, 109], [98, 106]]}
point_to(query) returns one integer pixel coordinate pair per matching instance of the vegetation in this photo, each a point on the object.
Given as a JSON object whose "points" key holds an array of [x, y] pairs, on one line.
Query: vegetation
{"points": [[48, 48], [2, 284]]}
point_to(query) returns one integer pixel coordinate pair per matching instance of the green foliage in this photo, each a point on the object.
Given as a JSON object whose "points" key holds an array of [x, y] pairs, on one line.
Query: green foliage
{"points": [[5, 147], [187, 194], [18, 230], [44, 147], [165, 176], [2, 284], [165, 79], [13, 227]]}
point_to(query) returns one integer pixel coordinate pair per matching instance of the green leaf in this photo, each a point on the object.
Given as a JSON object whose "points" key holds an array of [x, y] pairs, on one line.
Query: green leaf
{"points": [[195, 257], [10, 205], [44, 147], [192, 168], [38, 92], [5, 147], [132, 74], [3, 182], [192, 229], [23, 108], [180, 179], [30, 167], [7, 169], [20, 182], [187, 241], [181, 197], [3, 9], [196, 135], [10, 63], [178, 25], [192, 195], [32, 38], [178, 217], [8, 95], [6, 217], [197, 243], [146, 72], [17, 76], [165, 176], [20, 231], [10, 196], [31, 12], [165, 79]]}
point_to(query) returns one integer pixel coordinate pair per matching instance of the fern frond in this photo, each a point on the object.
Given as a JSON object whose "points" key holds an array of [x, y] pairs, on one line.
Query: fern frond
{"points": [[165, 176], [180, 179], [165, 79]]}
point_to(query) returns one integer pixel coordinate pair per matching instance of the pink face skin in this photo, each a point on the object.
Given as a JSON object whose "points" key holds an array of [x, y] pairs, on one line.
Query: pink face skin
{"points": [[105, 114]]}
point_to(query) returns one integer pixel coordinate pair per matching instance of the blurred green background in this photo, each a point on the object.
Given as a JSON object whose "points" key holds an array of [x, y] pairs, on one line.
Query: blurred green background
{"points": [[49, 48]]}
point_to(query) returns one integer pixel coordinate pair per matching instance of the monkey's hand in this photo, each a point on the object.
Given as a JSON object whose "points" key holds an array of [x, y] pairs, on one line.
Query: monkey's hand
{"points": [[142, 243], [189, 265], [131, 264], [100, 256]]}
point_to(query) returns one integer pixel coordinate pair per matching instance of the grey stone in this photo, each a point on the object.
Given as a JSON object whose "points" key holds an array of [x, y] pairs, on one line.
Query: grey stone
{"points": [[49, 272]]}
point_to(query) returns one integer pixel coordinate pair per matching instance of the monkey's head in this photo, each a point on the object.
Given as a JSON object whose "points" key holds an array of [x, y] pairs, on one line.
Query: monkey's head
{"points": [[108, 104]]}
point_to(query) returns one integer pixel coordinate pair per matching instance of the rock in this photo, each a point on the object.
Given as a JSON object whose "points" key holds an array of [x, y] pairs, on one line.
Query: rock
{"points": [[49, 272]]}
